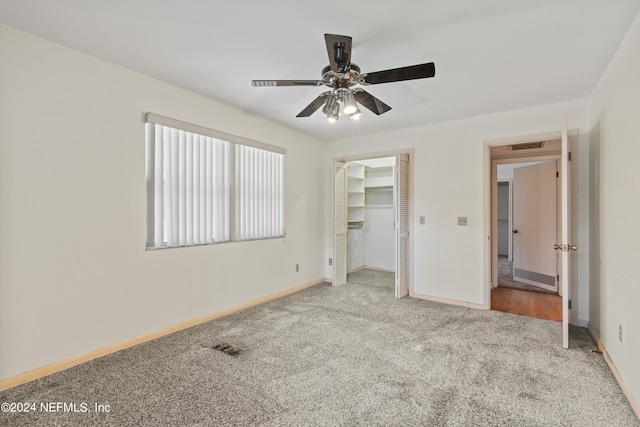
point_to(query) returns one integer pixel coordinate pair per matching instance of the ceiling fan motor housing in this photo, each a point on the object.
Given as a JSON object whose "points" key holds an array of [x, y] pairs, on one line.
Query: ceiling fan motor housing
{"points": [[349, 78]]}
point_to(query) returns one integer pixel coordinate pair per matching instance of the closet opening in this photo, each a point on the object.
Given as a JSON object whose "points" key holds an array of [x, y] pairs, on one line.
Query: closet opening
{"points": [[371, 234], [372, 221]]}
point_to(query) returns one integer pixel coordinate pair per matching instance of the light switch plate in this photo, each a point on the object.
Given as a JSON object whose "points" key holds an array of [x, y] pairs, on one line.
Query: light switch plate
{"points": [[462, 220], [422, 220]]}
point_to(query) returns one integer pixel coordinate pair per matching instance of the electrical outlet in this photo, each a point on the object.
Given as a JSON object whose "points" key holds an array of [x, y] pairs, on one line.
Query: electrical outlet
{"points": [[462, 220], [330, 261], [297, 267], [620, 332]]}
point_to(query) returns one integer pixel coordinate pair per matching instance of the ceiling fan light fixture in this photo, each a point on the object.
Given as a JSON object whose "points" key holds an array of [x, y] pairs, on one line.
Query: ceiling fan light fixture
{"points": [[349, 105], [331, 106], [356, 114]]}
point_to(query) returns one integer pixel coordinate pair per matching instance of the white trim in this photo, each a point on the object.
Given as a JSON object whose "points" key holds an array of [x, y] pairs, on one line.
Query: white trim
{"points": [[190, 127], [625, 389], [582, 323], [355, 270], [370, 267], [375, 155], [448, 301], [546, 136], [537, 284]]}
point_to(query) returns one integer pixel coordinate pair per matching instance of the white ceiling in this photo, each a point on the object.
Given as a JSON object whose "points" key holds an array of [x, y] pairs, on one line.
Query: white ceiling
{"points": [[490, 56]]}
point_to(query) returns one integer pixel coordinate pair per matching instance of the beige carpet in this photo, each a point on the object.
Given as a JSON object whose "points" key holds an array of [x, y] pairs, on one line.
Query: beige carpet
{"points": [[343, 356]]}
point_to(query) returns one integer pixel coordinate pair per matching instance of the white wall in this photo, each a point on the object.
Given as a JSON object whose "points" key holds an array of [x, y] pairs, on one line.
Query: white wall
{"points": [[615, 209], [355, 249], [440, 149], [74, 273], [379, 231]]}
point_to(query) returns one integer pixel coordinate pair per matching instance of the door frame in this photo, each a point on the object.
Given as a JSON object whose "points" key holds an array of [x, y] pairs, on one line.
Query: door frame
{"points": [[393, 153], [570, 134], [487, 202]]}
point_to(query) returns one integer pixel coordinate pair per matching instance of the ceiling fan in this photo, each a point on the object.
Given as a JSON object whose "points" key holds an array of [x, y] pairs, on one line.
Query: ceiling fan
{"points": [[341, 74]]}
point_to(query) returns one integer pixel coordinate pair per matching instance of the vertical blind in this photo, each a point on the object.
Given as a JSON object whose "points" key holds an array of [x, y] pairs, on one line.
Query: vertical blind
{"points": [[203, 188], [259, 193]]}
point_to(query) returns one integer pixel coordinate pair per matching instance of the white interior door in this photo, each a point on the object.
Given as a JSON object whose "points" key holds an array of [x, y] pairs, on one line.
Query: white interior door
{"points": [[565, 246], [535, 229], [339, 223], [402, 225]]}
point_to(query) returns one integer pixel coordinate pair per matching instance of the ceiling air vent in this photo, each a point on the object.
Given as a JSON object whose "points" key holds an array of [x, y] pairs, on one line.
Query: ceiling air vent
{"points": [[526, 146]]}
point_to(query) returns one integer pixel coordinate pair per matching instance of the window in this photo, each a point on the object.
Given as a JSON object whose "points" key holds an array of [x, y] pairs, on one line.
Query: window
{"points": [[205, 186], [259, 201]]}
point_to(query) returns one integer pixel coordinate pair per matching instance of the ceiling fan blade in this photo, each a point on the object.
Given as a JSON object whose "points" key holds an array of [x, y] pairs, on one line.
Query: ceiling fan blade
{"points": [[371, 102], [270, 83], [339, 50], [412, 72], [311, 108]]}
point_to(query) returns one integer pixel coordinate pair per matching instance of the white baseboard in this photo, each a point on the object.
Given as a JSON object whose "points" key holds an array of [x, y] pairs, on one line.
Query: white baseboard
{"points": [[61, 365], [386, 270], [448, 301], [353, 270], [625, 389], [582, 323], [369, 267]]}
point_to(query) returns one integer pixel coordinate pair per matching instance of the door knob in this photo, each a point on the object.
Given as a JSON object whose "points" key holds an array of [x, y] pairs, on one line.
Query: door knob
{"points": [[565, 248], [515, 231]]}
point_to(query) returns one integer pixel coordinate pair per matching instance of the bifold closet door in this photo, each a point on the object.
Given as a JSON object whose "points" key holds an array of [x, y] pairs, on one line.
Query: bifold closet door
{"points": [[402, 225], [339, 224]]}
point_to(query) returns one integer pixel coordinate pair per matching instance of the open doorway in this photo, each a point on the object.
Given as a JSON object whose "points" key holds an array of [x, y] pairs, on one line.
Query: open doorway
{"points": [[525, 214], [533, 148], [371, 222], [527, 210]]}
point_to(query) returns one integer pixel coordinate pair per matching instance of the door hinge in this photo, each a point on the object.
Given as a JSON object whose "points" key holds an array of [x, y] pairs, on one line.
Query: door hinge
{"points": [[569, 304], [557, 174], [558, 278], [569, 156]]}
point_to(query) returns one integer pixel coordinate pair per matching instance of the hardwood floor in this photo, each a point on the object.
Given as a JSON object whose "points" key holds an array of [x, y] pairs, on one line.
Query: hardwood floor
{"points": [[532, 304]]}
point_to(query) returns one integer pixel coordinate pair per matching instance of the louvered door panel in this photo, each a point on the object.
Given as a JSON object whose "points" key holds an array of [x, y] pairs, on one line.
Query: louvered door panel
{"points": [[340, 224]]}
